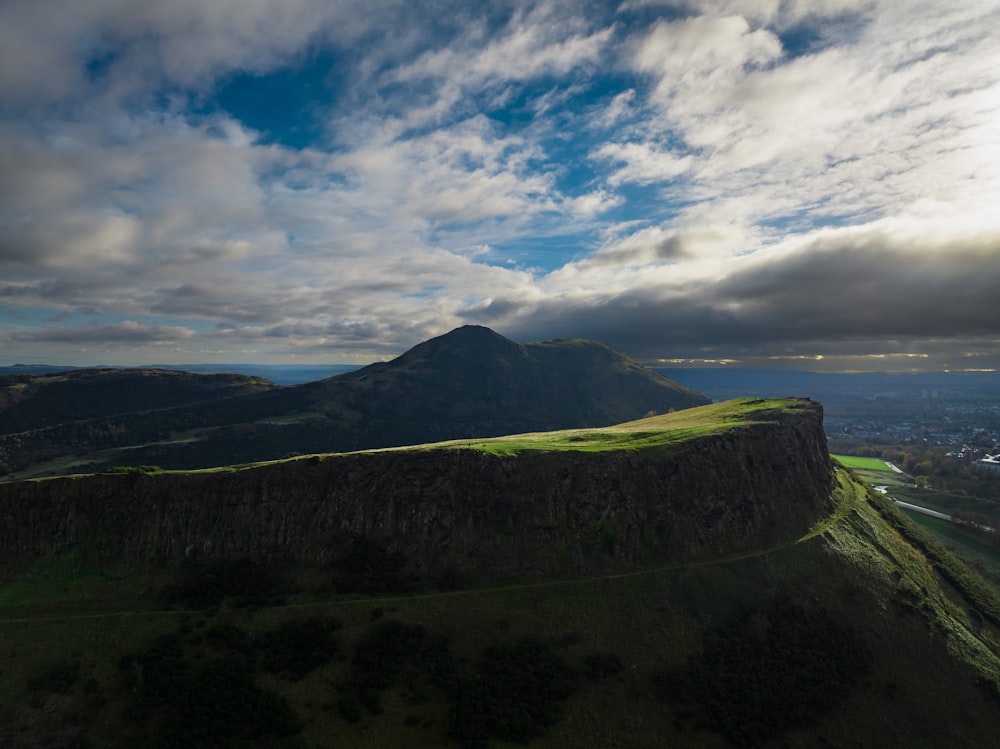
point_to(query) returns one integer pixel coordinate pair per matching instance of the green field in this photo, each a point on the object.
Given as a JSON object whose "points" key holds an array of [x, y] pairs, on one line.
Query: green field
{"points": [[867, 464]]}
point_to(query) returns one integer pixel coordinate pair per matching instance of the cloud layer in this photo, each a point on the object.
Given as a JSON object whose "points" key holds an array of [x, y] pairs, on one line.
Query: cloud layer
{"points": [[336, 181]]}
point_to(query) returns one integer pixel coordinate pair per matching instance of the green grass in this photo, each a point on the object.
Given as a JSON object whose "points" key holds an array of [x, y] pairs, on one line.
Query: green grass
{"points": [[982, 555], [869, 464], [667, 430]]}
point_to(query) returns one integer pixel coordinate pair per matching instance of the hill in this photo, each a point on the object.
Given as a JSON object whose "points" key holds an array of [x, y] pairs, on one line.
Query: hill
{"points": [[682, 485], [706, 578], [31, 402], [471, 382]]}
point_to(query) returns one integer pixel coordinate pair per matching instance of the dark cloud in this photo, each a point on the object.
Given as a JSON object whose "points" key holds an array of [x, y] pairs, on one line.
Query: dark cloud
{"points": [[876, 294]]}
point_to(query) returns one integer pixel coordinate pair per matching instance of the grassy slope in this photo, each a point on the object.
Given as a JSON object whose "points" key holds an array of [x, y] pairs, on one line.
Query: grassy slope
{"points": [[978, 550], [653, 432]]}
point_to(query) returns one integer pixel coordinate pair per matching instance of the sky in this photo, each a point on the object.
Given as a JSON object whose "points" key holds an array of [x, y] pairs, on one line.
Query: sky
{"points": [[789, 183]]}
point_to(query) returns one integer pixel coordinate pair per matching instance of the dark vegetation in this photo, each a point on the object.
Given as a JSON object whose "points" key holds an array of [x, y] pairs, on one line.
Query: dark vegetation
{"points": [[389, 652], [204, 685], [295, 648], [770, 670], [363, 567], [366, 566], [202, 692], [515, 694], [204, 583], [59, 679]]}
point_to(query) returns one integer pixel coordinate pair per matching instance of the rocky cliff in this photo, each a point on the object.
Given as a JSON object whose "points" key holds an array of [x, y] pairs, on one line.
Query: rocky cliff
{"points": [[756, 482]]}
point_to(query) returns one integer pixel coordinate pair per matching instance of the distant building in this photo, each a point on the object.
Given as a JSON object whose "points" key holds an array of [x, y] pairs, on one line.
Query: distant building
{"points": [[990, 463]]}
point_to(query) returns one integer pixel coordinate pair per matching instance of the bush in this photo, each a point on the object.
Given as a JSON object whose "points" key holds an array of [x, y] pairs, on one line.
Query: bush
{"points": [[598, 666], [205, 583], [59, 679], [515, 695], [379, 657], [368, 567], [771, 670], [349, 710], [173, 703], [297, 647]]}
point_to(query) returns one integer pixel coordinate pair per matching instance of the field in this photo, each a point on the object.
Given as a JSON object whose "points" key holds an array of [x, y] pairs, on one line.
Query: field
{"points": [[868, 464]]}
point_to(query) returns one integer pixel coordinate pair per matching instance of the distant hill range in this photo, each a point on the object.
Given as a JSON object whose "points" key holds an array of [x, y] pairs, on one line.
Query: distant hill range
{"points": [[471, 382]]}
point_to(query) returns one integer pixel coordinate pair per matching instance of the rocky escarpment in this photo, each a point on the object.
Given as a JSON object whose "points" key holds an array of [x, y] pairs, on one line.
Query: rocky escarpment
{"points": [[539, 513]]}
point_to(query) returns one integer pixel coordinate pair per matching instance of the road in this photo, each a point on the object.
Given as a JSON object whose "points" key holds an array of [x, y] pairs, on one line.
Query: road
{"points": [[943, 516], [924, 510]]}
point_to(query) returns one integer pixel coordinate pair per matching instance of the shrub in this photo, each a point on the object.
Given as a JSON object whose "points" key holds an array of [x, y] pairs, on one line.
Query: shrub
{"points": [[349, 710], [297, 647], [173, 703], [59, 679], [380, 656], [597, 666], [205, 583], [368, 567], [514, 696], [770, 670]]}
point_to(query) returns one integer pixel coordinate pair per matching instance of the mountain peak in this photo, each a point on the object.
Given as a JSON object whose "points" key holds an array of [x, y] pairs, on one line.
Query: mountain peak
{"points": [[472, 334], [468, 341]]}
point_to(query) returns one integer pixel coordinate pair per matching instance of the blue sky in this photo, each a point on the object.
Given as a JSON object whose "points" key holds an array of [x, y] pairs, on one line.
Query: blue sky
{"points": [[779, 182]]}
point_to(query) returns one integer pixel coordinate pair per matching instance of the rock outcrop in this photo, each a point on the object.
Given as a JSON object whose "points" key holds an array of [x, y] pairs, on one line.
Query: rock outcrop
{"points": [[546, 513]]}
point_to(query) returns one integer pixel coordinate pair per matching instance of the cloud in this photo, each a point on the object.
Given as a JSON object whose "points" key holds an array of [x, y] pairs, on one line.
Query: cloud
{"points": [[723, 174], [124, 334], [859, 290], [127, 48], [644, 163]]}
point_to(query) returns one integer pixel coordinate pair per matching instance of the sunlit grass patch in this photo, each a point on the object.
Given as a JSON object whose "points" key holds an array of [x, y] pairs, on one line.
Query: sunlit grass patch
{"points": [[666, 430], [866, 464]]}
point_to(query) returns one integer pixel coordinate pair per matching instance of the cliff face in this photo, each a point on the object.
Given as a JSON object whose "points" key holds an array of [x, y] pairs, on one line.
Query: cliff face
{"points": [[544, 513]]}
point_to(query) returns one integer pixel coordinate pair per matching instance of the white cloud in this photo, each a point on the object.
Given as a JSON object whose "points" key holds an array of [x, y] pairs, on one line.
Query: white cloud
{"points": [[703, 51], [644, 163]]}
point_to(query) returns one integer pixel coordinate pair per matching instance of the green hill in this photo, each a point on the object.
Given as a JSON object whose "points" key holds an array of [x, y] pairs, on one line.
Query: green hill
{"points": [[706, 578]]}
